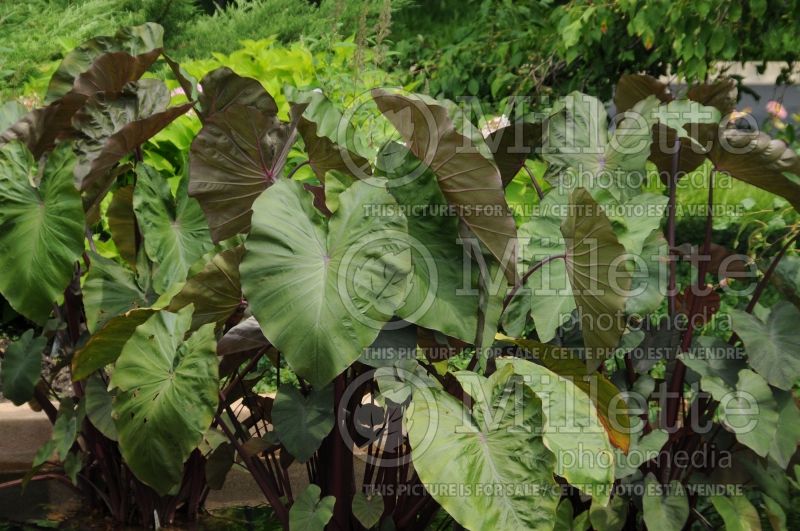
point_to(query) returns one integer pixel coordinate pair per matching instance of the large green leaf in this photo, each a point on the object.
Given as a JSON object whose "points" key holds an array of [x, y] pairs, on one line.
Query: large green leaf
{"points": [[105, 345], [110, 289], [302, 422], [327, 135], [41, 229], [167, 396], [612, 411], [215, 291], [494, 453], [597, 275], [175, 232], [21, 365], [576, 133], [309, 512], [573, 430], [223, 87], [231, 162], [338, 281], [666, 507], [436, 299], [463, 166], [772, 346], [144, 42], [737, 512]]}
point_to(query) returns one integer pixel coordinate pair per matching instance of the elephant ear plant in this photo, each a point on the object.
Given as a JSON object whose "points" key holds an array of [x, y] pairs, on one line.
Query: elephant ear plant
{"points": [[441, 364]]}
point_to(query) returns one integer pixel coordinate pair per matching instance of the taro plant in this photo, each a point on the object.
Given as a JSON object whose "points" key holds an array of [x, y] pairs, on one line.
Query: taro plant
{"points": [[447, 365]]}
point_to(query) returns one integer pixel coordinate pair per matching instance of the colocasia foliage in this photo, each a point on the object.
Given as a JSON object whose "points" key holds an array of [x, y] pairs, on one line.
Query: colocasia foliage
{"points": [[450, 362]]}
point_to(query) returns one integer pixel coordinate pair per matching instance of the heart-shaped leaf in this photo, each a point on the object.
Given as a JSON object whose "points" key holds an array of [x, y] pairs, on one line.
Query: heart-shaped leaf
{"points": [[771, 346], [164, 380], [368, 508], [309, 512], [41, 229], [547, 291], [497, 445], [463, 166], [175, 232], [332, 279], [665, 506], [302, 422], [613, 412]]}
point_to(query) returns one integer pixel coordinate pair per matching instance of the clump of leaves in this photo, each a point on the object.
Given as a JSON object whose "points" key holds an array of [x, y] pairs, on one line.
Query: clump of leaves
{"points": [[370, 279]]}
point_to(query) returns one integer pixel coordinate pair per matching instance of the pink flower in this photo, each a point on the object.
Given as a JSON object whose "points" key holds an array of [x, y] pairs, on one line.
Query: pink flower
{"points": [[777, 110]]}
